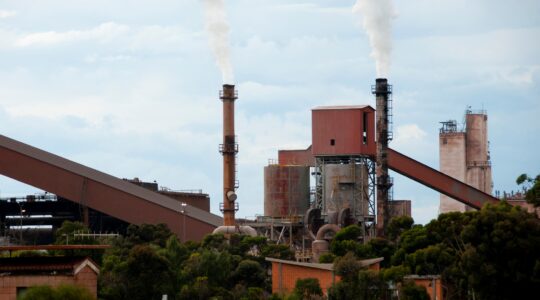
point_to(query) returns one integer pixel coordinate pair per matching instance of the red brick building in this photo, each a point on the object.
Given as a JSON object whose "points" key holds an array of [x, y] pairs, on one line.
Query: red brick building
{"points": [[19, 273], [285, 273]]}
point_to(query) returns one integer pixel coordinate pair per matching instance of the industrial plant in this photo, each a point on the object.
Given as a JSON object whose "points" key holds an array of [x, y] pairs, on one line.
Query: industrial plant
{"points": [[342, 178]]}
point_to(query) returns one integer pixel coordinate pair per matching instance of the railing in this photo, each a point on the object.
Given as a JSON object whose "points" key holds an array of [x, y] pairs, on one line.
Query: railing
{"points": [[223, 209], [485, 163]]}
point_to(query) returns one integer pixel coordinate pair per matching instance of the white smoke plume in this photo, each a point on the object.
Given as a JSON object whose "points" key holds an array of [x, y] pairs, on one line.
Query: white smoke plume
{"points": [[377, 22], [218, 33]]}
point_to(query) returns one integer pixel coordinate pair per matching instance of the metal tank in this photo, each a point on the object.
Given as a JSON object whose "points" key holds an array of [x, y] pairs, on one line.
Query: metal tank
{"points": [[286, 190], [345, 186]]}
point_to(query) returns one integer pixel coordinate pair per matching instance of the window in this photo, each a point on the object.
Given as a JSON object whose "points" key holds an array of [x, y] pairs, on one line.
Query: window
{"points": [[332, 142], [364, 128]]}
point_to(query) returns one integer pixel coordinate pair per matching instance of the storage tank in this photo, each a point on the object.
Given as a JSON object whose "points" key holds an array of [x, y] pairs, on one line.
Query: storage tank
{"points": [[286, 190], [346, 186]]}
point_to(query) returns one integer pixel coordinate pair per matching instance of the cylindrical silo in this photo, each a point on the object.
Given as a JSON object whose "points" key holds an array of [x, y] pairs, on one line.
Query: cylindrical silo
{"points": [[286, 190], [346, 186]]}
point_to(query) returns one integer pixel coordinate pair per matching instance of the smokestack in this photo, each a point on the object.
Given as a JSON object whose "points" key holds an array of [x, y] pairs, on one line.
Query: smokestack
{"points": [[229, 149], [382, 91]]}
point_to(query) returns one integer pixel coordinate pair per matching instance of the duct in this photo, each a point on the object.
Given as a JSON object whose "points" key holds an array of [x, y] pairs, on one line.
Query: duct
{"points": [[325, 229], [311, 215], [344, 216], [247, 230], [320, 245]]}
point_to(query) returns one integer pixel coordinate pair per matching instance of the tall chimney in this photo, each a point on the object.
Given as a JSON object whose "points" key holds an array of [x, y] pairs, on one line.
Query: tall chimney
{"points": [[229, 149], [382, 90]]}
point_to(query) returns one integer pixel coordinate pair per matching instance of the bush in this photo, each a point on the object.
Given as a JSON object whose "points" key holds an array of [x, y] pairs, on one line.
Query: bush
{"points": [[62, 292], [307, 288], [411, 291], [327, 258]]}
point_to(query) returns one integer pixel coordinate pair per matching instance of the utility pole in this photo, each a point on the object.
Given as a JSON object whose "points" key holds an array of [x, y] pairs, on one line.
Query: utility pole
{"points": [[183, 211]]}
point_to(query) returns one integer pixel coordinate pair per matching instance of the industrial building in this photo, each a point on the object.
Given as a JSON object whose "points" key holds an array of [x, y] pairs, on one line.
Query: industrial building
{"points": [[20, 273], [464, 155], [34, 218], [349, 161], [342, 178], [101, 192]]}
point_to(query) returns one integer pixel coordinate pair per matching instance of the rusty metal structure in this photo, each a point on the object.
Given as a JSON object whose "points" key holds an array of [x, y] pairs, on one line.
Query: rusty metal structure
{"points": [[101, 192], [352, 142], [383, 92], [286, 190], [229, 150]]}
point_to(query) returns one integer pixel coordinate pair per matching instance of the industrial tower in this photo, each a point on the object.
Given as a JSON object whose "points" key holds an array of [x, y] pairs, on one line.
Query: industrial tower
{"points": [[464, 155]]}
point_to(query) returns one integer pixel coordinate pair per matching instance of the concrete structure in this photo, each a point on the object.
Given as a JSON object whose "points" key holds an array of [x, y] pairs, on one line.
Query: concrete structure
{"points": [[18, 274], [345, 187], [464, 155], [286, 190], [399, 208], [285, 273], [432, 283], [518, 199]]}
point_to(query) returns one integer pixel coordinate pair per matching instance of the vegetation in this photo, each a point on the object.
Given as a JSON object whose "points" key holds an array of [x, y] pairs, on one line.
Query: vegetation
{"points": [[62, 292], [531, 187], [150, 262], [306, 289], [488, 254]]}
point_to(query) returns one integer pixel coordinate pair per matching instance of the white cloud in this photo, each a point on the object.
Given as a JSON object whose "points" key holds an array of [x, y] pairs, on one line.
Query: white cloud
{"points": [[409, 134], [515, 75], [103, 33], [7, 14]]}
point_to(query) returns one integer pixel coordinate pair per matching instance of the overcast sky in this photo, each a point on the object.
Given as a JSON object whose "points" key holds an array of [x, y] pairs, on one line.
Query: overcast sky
{"points": [[131, 87]]}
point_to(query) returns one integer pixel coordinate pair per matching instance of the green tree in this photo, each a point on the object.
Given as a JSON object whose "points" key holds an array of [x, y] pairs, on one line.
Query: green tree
{"points": [[397, 226], [66, 235], [144, 274], [411, 291], [501, 253], [307, 288], [327, 258], [250, 274], [531, 187]]}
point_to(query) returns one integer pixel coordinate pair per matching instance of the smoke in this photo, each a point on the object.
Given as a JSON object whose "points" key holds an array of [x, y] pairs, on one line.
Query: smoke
{"points": [[377, 23], [218, 34]]}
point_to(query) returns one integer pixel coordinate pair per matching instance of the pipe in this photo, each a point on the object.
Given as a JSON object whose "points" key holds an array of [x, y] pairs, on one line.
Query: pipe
{"points": [[247, 230], [326, 228], [229, 149]]}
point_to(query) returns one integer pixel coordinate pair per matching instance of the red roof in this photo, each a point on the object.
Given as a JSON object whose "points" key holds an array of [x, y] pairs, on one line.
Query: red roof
{"points": [[41, 264]]}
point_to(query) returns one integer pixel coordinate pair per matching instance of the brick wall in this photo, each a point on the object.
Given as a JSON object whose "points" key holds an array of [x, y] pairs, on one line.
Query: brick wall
{"points": [[284, 277]]}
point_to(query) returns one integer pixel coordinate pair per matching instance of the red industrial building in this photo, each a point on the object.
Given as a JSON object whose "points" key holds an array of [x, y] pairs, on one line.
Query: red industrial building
{"points": [[285, 273]]}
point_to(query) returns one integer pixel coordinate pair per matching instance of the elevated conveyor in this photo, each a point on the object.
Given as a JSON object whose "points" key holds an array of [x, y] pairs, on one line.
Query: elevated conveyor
{"points": [[100, 191], [438, 181]]}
